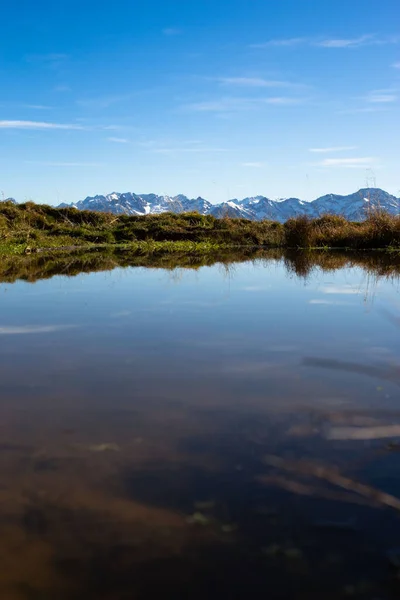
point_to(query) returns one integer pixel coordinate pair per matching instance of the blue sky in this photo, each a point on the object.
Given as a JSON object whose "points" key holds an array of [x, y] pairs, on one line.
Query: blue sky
{"points": [[223, 99]]}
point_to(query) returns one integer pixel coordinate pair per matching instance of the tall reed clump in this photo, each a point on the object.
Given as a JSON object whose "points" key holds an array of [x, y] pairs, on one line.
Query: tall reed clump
{"points": [[379, 230], [383, 230], [298, 232]]}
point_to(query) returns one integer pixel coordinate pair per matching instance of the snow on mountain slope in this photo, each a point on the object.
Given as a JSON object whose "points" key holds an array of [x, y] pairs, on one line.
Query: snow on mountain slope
{"points": [[354, 207]]}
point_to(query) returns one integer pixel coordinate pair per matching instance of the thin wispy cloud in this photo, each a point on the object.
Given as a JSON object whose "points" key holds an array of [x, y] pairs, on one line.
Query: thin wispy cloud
{"points": [[360, 162], [254, 82], [361, 110], [222, 105], [334, 43], [332, 149], [165, 143], [118, 140], [24, 105], [254, 165], [38, 125], [227, 105], [283, 101], [187, 149], [381, 97], [347, 42], [284, 42], [109, 127], [396, 65], [37, 106], [63, 164]]}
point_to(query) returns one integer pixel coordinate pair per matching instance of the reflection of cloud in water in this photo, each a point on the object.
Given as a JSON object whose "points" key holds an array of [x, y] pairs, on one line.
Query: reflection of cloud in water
{"points": [[339, 289], [25, 329], [363, 433], [330, 474], [330, 302]]}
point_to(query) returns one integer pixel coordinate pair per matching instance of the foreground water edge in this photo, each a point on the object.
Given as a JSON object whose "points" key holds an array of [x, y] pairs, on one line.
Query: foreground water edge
{"points": [[193, 430]]}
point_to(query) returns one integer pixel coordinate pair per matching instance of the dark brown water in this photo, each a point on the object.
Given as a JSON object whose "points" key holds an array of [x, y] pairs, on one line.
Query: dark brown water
{"points": [[218, 433]]}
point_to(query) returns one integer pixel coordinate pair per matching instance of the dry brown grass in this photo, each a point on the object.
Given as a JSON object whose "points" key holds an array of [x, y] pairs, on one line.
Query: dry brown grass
{"points": [[379, 230], [39, 226]]}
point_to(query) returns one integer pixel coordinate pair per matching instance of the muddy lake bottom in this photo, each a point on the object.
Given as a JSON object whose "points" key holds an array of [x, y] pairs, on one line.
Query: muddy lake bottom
{"points": [[219, 432]]}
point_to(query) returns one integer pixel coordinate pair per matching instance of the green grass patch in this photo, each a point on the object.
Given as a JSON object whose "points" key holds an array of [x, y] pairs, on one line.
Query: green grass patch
{"points": [[30, 227]]}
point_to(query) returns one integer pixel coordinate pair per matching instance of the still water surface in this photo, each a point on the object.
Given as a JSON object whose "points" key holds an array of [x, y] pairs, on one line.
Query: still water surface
{"points": [[211, 433]]}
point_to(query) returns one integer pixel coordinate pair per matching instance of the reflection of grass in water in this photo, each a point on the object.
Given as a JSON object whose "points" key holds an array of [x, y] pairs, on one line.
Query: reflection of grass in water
{"points": [[47, 265], [303, 263], [300, 263]]}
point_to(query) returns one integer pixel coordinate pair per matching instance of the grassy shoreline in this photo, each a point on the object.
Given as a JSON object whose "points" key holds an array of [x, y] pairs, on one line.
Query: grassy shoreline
{"points": [[31, 228]]}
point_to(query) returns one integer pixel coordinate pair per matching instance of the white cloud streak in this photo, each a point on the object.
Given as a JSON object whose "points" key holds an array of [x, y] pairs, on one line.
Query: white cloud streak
{"points": [[118, 140], [361, 110], [37, 125], [186, 149], [29, 329], [283, 101], [284, 42], [331, 43], [332, 149], [228, 105], [254, 165], [64, 164], [254, 82], [381, 97], [360, 162], [347, 42], [37, 106]]}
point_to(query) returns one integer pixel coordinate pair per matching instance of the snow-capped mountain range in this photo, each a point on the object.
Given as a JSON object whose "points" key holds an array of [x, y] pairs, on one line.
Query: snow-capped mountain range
{"points": [[354, 207]]}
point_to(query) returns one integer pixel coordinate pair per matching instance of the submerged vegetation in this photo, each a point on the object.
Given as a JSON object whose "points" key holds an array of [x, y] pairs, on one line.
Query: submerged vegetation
{"points": [[30, 227]]}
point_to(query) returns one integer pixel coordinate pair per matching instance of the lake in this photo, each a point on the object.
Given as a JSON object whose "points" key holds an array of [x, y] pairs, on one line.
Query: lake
{"points": [[225, 431]]}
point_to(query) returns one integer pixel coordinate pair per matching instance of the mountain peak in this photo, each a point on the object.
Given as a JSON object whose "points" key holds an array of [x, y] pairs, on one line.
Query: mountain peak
{"points": [[354, 207]]}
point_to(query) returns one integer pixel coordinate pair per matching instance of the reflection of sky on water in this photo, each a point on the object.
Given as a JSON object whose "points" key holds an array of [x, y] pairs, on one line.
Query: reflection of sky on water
{"points": [[256, 328], [157, 429]]}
